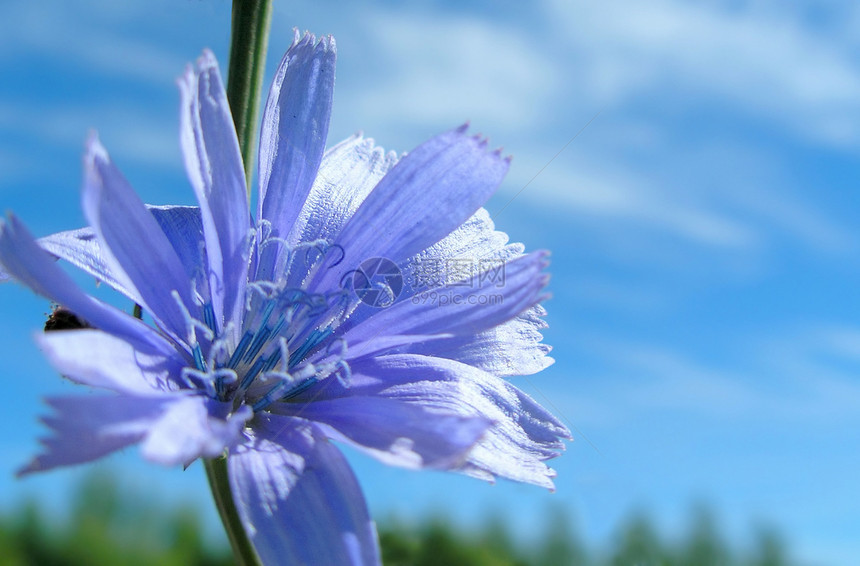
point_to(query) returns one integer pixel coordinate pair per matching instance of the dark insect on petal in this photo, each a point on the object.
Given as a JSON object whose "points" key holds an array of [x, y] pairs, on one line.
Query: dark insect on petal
{"points": [[62, 318]]}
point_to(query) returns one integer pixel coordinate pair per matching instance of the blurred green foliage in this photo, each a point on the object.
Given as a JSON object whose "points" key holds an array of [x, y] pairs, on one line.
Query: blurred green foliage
{"points": [[109, 526]]}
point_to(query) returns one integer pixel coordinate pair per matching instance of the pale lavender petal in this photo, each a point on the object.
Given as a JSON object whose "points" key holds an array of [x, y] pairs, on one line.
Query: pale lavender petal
{"points": [[31, 265], [382, 344], [460, 310], [184, 230], [512, 348], [523, 437], [476, 246], [193, 427], [81, 249], [181, 225], [298, 499], [474, 251], [348, 173], [215, 170], [394, 432], [138, 252], [97, 359], [87, 428], [293, 136], [426, 196]]}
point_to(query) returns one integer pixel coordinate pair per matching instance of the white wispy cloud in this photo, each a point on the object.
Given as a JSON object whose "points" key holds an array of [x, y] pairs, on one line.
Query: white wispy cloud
{"points": [[434, 70], [427, 72], [134, 133], [762, 58], [93, 35], [631, 201], [805, 379], [423, 72]]}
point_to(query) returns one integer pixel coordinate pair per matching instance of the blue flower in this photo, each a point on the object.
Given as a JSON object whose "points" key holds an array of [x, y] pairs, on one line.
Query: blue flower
{"points": [[265, 343]]}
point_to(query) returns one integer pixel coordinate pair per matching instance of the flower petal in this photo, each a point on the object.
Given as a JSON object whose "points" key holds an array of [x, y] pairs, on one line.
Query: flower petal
{"points": [[215, 170], [524, 434], [348, 173], [81, 249], [475, 247], [181, 225], [293, 136], [183, 228], [512, 348], [193, 427], [31, 265], [394, 432], [298, 499], [426, 196], [97, 359], [474, 251], [87, 428], [459, 310], [139, 254]]}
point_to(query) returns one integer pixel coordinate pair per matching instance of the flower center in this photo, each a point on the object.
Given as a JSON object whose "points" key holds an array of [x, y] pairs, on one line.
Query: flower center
{"points": [[283, 348]]}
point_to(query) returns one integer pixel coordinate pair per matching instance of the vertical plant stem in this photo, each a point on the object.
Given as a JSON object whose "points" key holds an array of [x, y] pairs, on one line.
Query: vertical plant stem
{"points": [[248, 44], [219, 482], [249, 40]]}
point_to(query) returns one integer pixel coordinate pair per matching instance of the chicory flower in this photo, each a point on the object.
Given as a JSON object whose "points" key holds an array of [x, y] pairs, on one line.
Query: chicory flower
{"points": [[334, 315]]}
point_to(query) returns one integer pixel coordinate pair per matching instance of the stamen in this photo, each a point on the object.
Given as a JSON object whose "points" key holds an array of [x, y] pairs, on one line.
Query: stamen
{"points": [[316, 336], [260, 339], [263, 289], [192, 325], [252, 373], [219, 351], [199, 362], [343, 373], [304, 386], [240, 349], [285, 383], [209, 317], [224, 377], [199, 379]]}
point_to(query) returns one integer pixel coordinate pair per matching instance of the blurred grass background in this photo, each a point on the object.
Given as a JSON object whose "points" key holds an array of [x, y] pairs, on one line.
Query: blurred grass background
{"points": [[109, 525]]}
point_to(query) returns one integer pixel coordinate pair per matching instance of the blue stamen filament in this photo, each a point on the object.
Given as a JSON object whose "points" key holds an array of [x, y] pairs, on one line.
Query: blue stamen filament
{"points": [[209, 317], [281, 329], [240, 350], [199, 363]]}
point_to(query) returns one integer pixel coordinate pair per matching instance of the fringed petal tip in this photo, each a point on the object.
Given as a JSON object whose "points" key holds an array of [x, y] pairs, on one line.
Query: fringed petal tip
{"points": [[207, 61], [326, 42], [482, 143], [25, 471], [550, 476], [498, 153], [13, 227], [36, 463], [543, 262], [93, 151], [369, 146]]}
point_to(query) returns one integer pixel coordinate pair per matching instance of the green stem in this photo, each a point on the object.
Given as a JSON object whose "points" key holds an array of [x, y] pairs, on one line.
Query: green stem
{"points": [[243, 550], [249, 41]]}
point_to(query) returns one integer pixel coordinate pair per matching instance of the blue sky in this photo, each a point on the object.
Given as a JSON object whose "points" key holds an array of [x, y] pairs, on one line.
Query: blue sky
{"points": [[703, 228]]}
